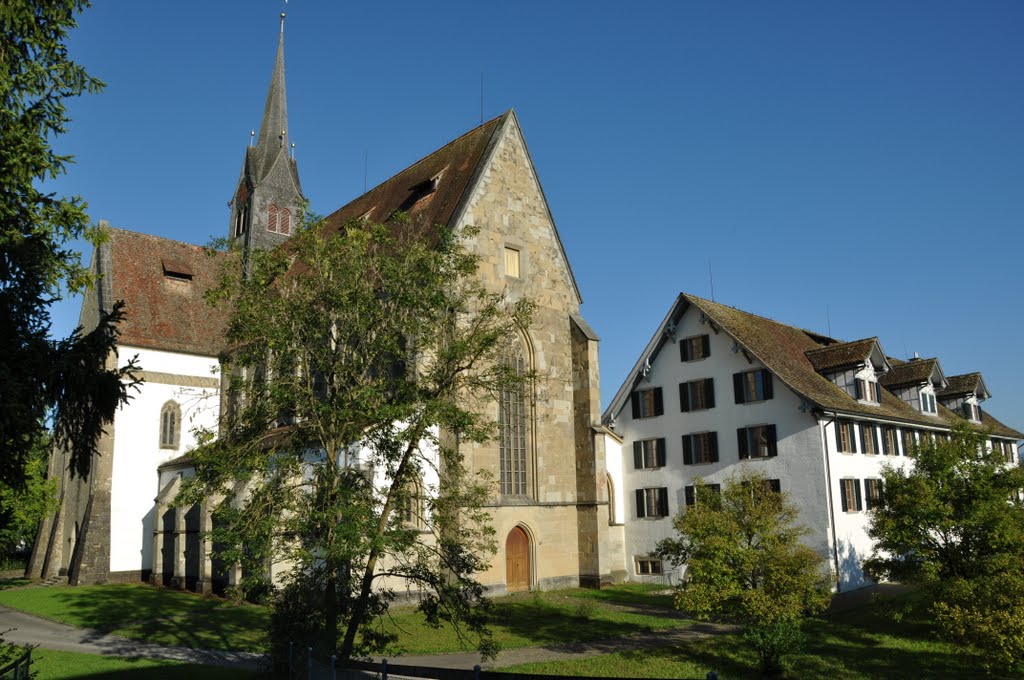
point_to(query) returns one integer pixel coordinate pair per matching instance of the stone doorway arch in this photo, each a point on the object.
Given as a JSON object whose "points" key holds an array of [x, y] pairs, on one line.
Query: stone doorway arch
{"points": [[517, 560]]}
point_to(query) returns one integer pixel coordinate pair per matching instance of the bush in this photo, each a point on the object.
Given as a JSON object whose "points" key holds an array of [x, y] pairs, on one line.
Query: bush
{"points": [[773, 641]]}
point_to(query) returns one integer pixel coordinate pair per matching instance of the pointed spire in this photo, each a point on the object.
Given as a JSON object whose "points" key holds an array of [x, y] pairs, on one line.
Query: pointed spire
{"points": [[273, 137]]}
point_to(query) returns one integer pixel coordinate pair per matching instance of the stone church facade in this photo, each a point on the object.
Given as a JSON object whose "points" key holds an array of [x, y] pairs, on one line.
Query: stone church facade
{"points": [[550, 506]]}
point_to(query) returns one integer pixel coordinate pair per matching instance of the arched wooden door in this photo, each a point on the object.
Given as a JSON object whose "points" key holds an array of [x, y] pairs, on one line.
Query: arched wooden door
{"points": [[517, 561]]}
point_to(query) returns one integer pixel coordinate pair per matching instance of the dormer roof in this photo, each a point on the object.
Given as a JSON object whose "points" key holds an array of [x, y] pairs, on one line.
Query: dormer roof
{"points": [[968, 383], [848, 354], [914, 372]]}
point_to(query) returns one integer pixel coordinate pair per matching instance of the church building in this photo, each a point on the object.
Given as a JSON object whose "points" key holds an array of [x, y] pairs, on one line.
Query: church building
{"points": [[550, 505]]}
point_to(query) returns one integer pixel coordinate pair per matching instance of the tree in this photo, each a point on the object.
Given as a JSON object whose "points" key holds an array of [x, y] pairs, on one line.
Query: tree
{"points": [[65, 379], [745, 564], [361, 358], [953, 524], [21, 509]]}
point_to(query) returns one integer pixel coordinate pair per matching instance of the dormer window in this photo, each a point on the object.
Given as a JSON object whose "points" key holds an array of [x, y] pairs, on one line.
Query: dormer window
{"points": [[971, 411], [867, 390], [175, 270], [928, 403]]}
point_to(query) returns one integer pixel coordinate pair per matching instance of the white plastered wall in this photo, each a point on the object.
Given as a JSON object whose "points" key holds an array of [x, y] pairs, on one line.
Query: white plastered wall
{"points": [[137, 454]]}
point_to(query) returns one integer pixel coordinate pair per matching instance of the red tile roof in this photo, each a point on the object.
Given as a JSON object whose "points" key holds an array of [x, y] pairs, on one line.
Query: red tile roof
{"points": [[165, 312]]}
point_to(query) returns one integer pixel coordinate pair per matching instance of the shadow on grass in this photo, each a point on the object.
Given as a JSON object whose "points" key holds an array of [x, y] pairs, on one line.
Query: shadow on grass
{"points": [[6, 583], [639, 596]]}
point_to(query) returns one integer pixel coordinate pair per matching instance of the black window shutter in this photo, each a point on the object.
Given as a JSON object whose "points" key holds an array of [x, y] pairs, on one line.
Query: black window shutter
{"points": [[766, 377], [705, 341], [857, 392], [885, 429], [839, 435], [635, 398], [856, 489], [661, 453], [773, 448], [709, 391], [684, 397], [640, 506], [842, 493], [714, 447], [741, 443], [864, 436], [737, 386], [688, 490], [659, 404], [687, 450], [775, 485], [684, 350], [663, 502], [638, 455]]}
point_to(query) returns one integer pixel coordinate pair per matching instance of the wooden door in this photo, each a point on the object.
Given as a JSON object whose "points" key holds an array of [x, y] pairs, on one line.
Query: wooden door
{"points": [[517, 561]]}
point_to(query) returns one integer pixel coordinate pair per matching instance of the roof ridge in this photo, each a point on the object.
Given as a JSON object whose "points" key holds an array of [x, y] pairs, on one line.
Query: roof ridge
{"points": [[161, 238], [765, 318], [840, 343]]}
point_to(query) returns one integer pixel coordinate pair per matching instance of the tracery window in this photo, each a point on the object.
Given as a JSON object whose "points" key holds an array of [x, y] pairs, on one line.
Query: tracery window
{"points": [[170, 425], [512, 423]]}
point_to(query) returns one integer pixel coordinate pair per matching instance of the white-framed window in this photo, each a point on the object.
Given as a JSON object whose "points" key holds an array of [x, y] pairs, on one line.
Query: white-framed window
{"points": [[846, 441], [849, 495], [648, 565], [512, 262], [928, 403], [697, 395], [867, 390], [872, 493], [700, 447], [690, 493], [648, 403], [694, 347], [652, 503], [757, 441], [751, 386], [649, 453], [867, 439]]}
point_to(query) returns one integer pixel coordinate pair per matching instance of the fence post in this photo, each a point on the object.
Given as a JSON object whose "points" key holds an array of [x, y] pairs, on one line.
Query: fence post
{"points": [[334, 673], [476, 672], [309, 662], [383, 669]]}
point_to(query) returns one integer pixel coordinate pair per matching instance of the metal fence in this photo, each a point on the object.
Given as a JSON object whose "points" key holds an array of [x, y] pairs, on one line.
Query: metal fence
{"points": [[19, 669]]}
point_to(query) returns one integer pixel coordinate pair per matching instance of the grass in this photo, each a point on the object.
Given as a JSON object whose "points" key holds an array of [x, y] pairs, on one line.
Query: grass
{"points": [[175, 618], [148, 613], [52, 664], [882, 640]]}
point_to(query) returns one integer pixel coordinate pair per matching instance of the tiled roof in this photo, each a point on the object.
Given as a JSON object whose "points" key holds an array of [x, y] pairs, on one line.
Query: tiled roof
{"points": [[961, 384], [784, 350], [841, 354], [912, 372], [165, 312], [453, 166]]}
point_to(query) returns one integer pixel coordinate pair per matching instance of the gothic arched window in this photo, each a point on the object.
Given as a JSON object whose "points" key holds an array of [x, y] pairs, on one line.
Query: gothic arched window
{"points": [[285, 225], [170, 425], [272, 218], [512, 424]]}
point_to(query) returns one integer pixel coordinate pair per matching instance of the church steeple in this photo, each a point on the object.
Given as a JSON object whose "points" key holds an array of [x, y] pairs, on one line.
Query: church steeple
{"points": [[268, 195]]}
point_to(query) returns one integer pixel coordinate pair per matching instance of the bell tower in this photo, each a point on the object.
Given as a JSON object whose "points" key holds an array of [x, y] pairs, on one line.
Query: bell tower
{"points": [[266, 204]]}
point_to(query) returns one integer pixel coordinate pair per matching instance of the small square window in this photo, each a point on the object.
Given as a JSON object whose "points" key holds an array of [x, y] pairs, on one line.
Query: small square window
{"points": [[647, 565], [511, 262]]}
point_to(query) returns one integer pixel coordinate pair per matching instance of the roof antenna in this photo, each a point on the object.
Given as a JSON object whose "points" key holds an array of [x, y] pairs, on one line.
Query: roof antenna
{"points": [[366, 154], [828, 320], [711, 278], [252, 133]]}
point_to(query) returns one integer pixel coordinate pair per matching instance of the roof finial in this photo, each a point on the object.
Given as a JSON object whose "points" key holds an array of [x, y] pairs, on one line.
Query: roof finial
{"points": [[252, 133], [282, 20]]}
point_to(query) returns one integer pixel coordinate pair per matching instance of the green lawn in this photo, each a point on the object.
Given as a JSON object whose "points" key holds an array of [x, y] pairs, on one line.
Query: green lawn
{"points": [[175, 618], [51, 664], [147, 613], [866, 643]]}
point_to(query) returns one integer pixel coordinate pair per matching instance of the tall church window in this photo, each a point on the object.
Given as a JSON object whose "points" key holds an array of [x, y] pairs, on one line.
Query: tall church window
{"points": [[170, 425], [512, 423], [284, 226], [272, 218]]}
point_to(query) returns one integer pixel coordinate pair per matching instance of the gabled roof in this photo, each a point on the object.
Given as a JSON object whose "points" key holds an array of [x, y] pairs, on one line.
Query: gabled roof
{"points": [[782, 349], [913, 372], [844, 354], [162, 312], [968, 383], [436, 189]]}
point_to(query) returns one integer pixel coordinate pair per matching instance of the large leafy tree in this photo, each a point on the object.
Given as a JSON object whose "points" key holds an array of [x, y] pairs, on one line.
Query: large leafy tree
{"points": [[40, 377], [745, 564], [360, 359], [953, 524]]}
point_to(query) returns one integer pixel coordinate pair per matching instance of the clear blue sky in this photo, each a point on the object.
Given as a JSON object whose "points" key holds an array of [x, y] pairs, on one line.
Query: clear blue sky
{"points": [[866, 158]]}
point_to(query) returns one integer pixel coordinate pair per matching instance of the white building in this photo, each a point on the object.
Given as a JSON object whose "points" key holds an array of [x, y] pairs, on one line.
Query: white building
{"points": [[717, 389]]}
